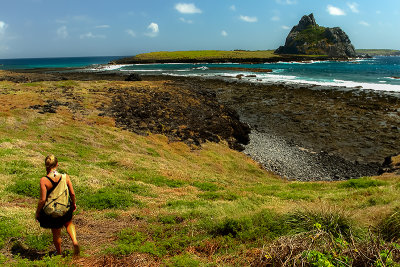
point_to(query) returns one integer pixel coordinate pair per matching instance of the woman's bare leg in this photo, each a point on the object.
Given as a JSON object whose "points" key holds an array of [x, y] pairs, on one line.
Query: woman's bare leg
{"points": [[72, 234], [57, 239]]}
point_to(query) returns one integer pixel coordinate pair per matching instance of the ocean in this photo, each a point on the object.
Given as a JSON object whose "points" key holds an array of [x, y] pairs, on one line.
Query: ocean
{"points": [[378, 73]]}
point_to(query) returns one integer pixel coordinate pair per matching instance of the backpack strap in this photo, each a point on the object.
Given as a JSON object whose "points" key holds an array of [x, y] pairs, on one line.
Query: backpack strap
{"points": [[52, 182]]}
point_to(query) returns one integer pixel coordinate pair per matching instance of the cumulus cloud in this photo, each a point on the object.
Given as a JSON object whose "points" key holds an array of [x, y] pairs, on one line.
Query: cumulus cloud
{"points": [[185, 8], [3, 27], [130, 33], [286, 2], [153, 30], [364, 23], [90, 35], [335, 11], [224, 33], [275, 18], [232, 7], [188, 21], [284, 27], [353, 7], [248, 19], [62, 32]]}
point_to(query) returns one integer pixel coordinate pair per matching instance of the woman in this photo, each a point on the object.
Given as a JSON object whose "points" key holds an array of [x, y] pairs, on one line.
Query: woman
{"points": [[47, 184]]}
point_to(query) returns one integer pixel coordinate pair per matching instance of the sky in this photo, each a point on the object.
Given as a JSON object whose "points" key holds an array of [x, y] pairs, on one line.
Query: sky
{"points": [[68, 28]]}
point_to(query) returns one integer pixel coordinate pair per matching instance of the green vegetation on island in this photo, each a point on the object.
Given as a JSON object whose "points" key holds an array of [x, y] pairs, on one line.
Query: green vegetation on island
{"points": [[210, 56], [144, 199]]}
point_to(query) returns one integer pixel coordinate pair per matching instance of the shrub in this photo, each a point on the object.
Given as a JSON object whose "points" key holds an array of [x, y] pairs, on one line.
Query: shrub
{"points": [[363, 182], [389, 227]]}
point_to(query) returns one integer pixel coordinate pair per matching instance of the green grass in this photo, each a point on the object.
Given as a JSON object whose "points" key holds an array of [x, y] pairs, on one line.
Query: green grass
{"points": [[205, 54], [149, 177], [364, 182], [107, 198], [25, 187], [9, 227]]}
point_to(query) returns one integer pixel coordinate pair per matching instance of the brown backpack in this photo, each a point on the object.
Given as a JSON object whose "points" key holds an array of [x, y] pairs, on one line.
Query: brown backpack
{"points": [[57, 203]]}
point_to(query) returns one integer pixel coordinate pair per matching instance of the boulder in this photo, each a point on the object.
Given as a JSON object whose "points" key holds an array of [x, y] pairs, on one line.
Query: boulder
{"points": [[308, 38]]}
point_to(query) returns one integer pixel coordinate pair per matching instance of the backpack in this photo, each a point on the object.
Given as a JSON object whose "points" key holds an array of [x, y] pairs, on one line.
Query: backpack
{"points": [[57, 203]]}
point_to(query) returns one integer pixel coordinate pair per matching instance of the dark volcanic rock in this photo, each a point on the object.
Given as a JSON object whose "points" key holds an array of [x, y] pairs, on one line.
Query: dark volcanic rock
{"points": [[391, 165], [311, 39], [134, 77], [181, 112]]}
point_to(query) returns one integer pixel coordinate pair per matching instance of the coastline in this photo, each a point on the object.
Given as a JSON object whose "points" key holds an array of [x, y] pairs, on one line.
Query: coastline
{"points": [[299, 132]]}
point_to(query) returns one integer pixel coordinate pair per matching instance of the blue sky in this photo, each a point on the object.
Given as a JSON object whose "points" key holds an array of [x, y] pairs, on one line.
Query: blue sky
{"points": [[58, 28]]}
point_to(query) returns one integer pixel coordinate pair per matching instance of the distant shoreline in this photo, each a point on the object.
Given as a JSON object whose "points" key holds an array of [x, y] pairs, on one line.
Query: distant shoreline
{"points": [[237, 56]]}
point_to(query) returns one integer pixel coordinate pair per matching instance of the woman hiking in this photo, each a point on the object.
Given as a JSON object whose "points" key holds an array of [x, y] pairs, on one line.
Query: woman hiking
{"points": [[57, 204]]}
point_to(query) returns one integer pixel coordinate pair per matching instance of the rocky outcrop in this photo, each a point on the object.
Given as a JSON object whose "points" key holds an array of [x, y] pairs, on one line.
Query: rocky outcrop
{"points": [[308, 38]]}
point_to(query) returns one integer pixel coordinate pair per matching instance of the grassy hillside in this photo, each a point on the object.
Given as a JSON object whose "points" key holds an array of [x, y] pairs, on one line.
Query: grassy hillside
{"points": [[144, 200]]}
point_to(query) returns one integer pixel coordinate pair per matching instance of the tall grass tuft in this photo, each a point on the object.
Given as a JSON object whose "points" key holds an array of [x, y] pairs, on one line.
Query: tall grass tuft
{"points": [[389, 227], [335, 222]]}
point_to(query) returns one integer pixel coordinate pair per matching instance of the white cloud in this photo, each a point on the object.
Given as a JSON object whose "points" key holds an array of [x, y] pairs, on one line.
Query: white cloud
{"points": [[185, 8], [62, 32], [224, 33], [275, 18], [248, 19], [285, 27], [188, 21], [335, 11], [364, 23], [153, 30], [103, 27], [130, 33], [90, 35], [3, 27], [232, 7], [353, 7], [286, 2]]}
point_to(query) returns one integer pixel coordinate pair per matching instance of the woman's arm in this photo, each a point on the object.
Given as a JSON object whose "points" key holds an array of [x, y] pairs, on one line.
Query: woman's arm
{"points": [[42, 198], [71, 193]]}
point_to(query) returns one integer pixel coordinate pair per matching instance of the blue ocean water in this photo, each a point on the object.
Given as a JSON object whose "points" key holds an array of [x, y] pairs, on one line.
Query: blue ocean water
{"points": [[378, 73], [60, 62]]}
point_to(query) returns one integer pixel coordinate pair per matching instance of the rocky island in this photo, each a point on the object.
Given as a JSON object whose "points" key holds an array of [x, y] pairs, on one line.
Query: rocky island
{"points": [[309, 38]]}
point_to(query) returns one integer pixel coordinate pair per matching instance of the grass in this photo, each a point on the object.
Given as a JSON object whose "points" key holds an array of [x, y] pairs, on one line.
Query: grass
{"points": [[205, 54], [144, 196]]}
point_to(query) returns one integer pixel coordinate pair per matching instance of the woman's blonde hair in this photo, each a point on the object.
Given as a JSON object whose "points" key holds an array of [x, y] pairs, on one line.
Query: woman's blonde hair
{"points": [[50, 162]]}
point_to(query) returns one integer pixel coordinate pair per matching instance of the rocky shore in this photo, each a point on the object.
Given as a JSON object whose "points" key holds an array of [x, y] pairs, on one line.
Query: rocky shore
{"points": [[299, 132], [312, 133]]}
